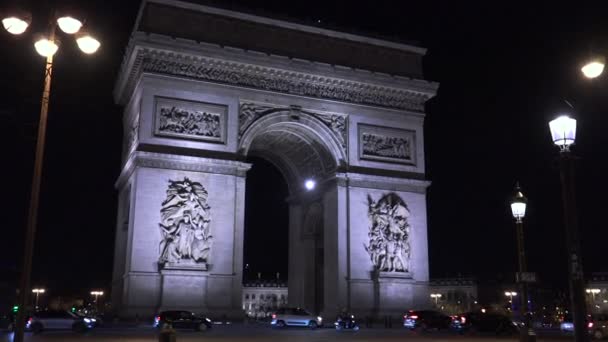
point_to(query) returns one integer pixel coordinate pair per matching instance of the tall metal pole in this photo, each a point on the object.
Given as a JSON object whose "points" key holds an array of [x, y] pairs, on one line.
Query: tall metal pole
{"points": [[526, 330], [32, 218], [575, 263]]}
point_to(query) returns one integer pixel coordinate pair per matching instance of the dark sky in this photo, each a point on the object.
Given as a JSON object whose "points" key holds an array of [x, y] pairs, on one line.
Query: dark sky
{"points": [[504, 71]]}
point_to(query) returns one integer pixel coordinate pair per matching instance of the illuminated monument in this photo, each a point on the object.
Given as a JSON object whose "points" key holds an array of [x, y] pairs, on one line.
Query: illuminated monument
{"points": [[204, 88]]}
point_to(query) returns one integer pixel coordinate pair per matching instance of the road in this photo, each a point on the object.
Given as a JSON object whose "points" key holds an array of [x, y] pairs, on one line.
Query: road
{"points": [[260, 333]]}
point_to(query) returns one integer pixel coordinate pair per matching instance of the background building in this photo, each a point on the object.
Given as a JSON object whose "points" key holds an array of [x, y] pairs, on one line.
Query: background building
{"points": [[262, 297], [453, 295]]}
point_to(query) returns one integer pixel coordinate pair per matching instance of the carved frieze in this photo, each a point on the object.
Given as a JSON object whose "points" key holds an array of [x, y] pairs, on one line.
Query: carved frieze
{"points": [[190, 120], [251, 111], [387, 144], [389, 234], [279, 80], [185, 232]]}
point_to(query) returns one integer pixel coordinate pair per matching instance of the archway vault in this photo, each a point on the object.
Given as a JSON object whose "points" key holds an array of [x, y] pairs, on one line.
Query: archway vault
{"points": [[300, 146]]}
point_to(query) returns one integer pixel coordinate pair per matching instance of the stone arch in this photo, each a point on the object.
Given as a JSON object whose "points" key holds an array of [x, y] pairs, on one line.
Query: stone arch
{"points": [[300, 146]]}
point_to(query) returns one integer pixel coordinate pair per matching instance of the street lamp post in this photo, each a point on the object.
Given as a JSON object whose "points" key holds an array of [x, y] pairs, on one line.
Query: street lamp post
{"points": [[518, 209], [96, 294], [436, 297], [37, 292], [563, 133], [17, 23], [593, 292], [511, 294]]}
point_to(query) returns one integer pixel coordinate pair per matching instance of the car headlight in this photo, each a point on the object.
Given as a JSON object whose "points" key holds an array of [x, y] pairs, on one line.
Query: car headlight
{"points": [[319, 318], [87, 320], [208, 320]]}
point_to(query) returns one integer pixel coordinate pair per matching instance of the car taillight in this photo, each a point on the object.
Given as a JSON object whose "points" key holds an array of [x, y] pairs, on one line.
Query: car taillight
{"points": [[413, 316], [29, 320], [274, 316], [590, 325], [157, 319], [463, 320]]}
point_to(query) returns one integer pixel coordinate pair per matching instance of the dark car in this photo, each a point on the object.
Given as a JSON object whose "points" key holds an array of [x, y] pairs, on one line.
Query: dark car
{"points": [[484, 322], [425, 320], [7, 322], [180, 319]]}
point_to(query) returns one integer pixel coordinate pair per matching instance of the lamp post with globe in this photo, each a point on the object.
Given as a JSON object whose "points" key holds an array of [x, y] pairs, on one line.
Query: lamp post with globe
{"points": [[563, 133], [16, 22]]}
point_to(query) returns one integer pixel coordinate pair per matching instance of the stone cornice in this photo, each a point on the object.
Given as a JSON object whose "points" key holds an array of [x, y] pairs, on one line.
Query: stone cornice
{"points": [[382, 182], [157, 55], [184, 163]]}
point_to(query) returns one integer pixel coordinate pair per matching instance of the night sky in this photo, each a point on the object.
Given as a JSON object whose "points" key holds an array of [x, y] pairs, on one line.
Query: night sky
{"points": [[504, 73]]}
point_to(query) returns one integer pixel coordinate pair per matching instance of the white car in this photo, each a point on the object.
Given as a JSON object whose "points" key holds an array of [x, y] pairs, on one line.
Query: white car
{"points": [[295, 317], [58, 320]]}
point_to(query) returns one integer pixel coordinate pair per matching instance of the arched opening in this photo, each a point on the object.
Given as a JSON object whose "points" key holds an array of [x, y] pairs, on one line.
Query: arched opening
{"points": [[302, 149], [265, 250]]}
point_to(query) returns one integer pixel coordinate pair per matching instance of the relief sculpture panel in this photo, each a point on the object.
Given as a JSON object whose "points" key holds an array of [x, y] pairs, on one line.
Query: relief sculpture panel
{"points": [[389, 234], [190, 120], [387, 144], [185, 232]]}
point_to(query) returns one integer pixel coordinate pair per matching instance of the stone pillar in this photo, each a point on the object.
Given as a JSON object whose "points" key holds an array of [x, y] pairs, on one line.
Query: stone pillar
{"points": [[161, 274]]}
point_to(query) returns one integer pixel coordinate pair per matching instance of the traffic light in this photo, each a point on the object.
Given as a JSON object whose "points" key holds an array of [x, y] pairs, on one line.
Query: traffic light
{"points": [[73, 309], [15, 308]]}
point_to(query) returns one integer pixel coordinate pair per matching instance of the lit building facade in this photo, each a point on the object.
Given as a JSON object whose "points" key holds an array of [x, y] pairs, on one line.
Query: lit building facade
{"points": [[262, 298], [453, 295]]}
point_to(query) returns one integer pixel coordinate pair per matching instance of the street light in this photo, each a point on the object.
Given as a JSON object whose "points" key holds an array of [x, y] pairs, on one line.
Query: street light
{"points": [[436, 296], [563, 133], [96, 294], [593, 292], [37, 292], [15, 23], [518, 209], [594, 67], [309, 184], [511, 294]]}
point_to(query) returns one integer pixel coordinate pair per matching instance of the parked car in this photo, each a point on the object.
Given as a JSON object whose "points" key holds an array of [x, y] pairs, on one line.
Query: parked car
{"points": [[597, 325], [484, 322], [180, 319], [58, 320], [425, 320], [295, 317], [7, 322]]}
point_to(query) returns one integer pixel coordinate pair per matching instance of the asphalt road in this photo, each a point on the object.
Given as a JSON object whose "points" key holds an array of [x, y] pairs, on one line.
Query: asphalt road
{"points": [[262, 333]]}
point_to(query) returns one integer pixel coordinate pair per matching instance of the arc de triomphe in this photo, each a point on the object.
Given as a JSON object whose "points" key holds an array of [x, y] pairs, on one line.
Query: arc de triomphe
{"points": [[204, 88]]}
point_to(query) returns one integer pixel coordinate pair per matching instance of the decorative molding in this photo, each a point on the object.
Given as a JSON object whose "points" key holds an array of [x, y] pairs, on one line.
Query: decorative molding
{"points": [[185, 226], [182, 163], [387, 144], [190, 120], [157, 61], [250, 111], [389, 235], [382, 182]]}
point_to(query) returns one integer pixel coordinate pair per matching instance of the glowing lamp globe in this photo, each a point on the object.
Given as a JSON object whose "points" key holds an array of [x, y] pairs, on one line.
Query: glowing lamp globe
{"points": [[594, 68], [518, 204], [88, 44], [309, 184], [69, 24], [563, 131], [15, 25], [46, 47]]}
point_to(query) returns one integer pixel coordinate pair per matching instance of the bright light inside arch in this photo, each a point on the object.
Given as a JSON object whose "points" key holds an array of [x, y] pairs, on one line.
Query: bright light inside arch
{"points": [[310, 184]]}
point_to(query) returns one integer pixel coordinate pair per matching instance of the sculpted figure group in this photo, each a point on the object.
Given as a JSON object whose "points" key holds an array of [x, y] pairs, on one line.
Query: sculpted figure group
{"points": [[184, 226], [389, 231]]}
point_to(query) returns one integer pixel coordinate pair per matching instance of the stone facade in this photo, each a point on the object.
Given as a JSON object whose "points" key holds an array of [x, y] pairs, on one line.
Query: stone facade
{"points": [[195, 108], [262, 298]]}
